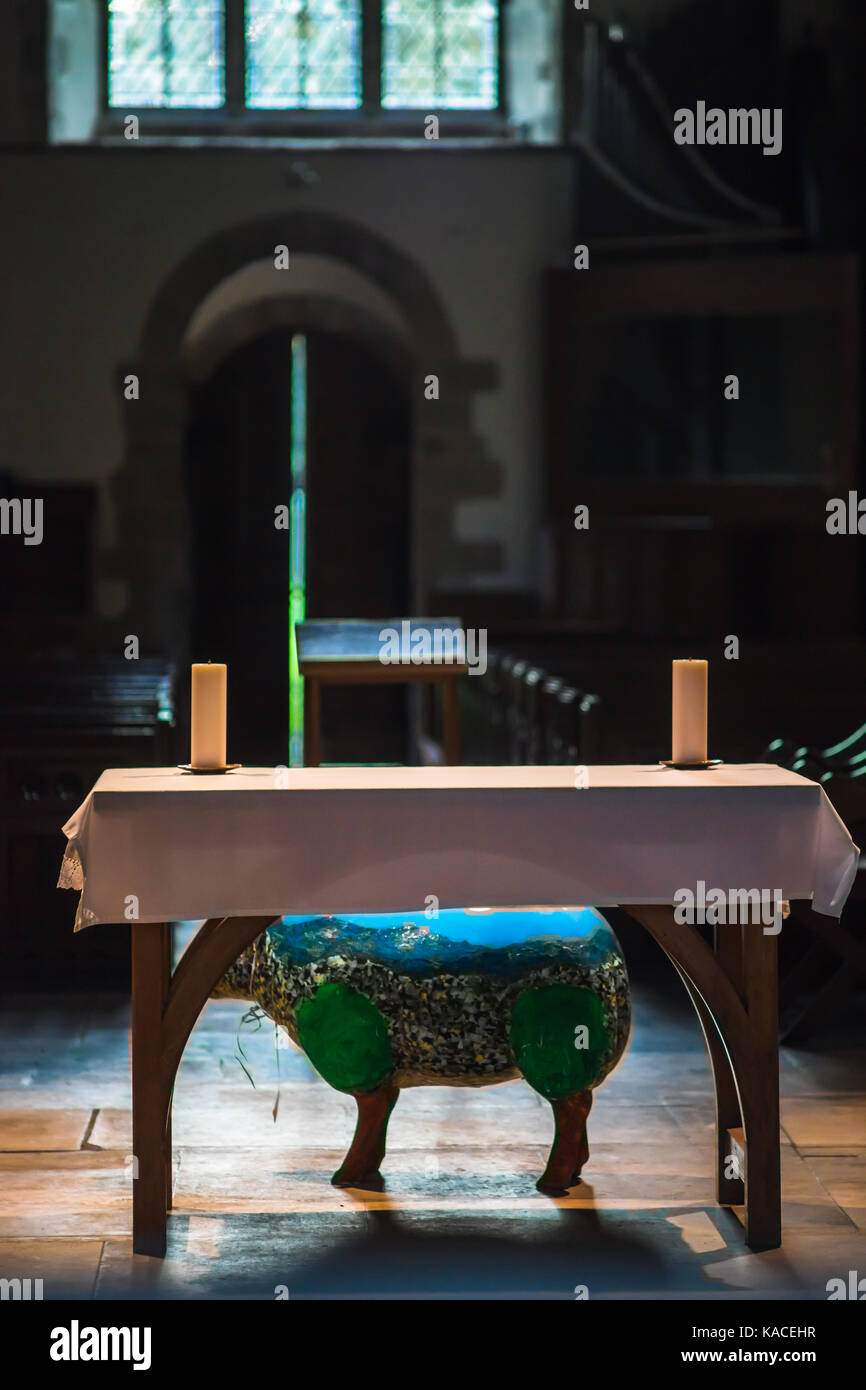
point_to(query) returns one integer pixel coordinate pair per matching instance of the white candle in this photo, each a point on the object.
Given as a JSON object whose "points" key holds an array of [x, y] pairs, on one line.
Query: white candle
{"points": [[689, 721], [208, 715]]}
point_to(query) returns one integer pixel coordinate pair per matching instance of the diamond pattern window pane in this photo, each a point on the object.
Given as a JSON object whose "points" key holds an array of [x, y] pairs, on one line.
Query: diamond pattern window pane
{"points": [[165, 53], [303, 53], [440, 53]]}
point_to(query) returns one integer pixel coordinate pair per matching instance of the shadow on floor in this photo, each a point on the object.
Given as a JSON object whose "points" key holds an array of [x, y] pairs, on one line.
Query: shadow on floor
{"points": [[566, 1254]]}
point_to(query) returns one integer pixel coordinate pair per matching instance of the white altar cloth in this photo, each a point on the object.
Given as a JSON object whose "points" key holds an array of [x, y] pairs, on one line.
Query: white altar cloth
{"points": [[158, 844]]}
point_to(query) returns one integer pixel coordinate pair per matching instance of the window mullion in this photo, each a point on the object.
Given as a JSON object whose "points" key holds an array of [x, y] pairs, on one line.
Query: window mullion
{"points": [[166, 51], [438, 49], [235, 57], [371, 56]]}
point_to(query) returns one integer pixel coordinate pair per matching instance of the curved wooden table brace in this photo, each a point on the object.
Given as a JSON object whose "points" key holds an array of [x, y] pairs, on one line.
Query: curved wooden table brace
{"points": [[733, 988]]}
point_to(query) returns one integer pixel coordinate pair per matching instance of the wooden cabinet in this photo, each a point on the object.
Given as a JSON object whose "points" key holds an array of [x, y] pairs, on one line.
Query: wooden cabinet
{"points": [[704, 412]]}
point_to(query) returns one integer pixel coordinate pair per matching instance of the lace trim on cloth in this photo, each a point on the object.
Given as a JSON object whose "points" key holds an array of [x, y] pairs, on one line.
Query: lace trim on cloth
{"points": [[71, 870], [72, 876]]}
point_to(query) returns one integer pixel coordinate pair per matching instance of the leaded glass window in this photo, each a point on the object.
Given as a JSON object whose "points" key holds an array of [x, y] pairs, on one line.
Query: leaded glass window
{"points": [[165, 53], [440, 53], [294, 55], [303, 53]]}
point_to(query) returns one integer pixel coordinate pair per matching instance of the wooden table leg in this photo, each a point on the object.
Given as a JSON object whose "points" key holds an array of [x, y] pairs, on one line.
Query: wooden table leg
{"points": [[761, 1102], [165, 1008], [730, 1157], [730, 1176], [151, 1146], [741, 1034], [312, 721], [168, 1152], [451, 720]]}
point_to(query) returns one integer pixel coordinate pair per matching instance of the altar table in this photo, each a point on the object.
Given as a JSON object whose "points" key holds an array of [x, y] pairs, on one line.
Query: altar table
{"points": [[154, 845]]}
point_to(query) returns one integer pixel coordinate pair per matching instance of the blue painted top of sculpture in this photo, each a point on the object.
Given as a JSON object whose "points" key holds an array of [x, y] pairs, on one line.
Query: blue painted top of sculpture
{"points": [[486, 942]]}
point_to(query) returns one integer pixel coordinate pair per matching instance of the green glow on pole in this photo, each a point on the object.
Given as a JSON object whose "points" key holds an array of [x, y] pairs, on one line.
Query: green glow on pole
{"points": [[298, 544]]}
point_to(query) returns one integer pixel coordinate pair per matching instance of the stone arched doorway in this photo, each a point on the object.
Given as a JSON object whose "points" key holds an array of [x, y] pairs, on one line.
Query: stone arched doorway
{"points": [[448, 461], [312, 393]]}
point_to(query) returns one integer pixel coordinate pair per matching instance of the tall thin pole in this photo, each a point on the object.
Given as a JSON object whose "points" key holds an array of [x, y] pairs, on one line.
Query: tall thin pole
{"points": [[297, 543]]}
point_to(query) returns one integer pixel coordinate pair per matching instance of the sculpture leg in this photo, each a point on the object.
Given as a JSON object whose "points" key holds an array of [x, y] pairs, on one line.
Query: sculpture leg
{"points": [[560, 1038], [570, 1148], [360, 1167]]}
